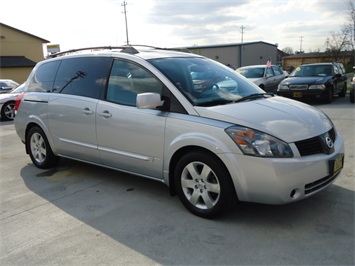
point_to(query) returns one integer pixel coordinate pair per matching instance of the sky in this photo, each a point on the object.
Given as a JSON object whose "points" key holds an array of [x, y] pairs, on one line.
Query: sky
{"points": [[299, 24]]}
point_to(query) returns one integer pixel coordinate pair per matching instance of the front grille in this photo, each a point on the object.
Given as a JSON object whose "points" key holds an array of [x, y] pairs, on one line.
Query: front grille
{"points": [[315, 145], [298, 87]]}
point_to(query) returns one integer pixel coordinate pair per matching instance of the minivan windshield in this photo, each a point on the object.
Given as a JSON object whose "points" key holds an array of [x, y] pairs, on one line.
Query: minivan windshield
{"points": [[205, 82]]}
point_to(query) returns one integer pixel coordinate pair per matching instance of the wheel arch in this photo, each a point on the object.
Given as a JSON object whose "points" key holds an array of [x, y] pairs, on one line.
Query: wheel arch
{"points": [[185, 150], [44, 129]]}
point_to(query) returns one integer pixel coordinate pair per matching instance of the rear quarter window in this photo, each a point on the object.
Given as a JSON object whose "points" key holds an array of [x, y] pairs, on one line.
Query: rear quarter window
{"points": [[42, 79]]}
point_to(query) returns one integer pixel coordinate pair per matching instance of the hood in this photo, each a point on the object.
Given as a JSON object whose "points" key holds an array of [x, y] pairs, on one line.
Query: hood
{"points": [[305, 80], [283, 118]]}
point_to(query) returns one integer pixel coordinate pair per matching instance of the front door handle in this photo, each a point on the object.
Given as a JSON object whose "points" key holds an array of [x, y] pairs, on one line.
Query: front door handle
{"points": [[106, 114]]}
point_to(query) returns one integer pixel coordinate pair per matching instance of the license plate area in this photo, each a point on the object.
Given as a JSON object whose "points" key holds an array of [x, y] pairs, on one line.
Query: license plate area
{"points": [[336, 165], [297, 94]]}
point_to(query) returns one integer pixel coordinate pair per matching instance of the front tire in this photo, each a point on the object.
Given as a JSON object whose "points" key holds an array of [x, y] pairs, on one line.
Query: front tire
{"points": [[329, 96], [39, 149], [8, 111], [204, 185]]}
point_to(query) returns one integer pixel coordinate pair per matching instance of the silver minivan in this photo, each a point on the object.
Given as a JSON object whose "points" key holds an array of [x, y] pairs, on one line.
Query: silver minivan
{"points": [[213, 137]]}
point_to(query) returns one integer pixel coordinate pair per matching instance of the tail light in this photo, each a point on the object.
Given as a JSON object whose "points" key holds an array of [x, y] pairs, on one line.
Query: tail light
{"points": [[18, 101]]}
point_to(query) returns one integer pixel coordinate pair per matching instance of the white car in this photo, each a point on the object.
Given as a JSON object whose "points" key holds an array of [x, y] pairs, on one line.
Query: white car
{"points": [[7, 103], [212, 136], [7, 85]]}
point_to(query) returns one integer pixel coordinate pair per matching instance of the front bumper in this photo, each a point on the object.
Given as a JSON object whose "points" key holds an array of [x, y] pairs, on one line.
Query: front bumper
{"points": [[303, 94], [284, 180]]}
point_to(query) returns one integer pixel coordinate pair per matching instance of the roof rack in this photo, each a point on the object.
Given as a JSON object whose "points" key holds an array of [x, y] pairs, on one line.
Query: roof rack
{"points": [[124, 49]]}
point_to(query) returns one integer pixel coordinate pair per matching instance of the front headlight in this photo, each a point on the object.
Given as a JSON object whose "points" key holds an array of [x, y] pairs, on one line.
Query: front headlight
{"points": [[283, 87], [317, 87], [257, 143]]}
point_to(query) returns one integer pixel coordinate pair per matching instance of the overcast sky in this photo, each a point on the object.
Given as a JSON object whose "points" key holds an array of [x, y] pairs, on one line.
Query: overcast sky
{"points": [[177, 23]]}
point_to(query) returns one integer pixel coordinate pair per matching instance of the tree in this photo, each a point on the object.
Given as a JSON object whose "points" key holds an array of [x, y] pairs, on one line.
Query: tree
{"points": [[287, 50], [340, 41]]}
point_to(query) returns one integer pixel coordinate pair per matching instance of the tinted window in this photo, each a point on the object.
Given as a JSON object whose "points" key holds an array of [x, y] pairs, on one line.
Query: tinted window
{"points": [[127, 80], [44, 76], [82, 76]]}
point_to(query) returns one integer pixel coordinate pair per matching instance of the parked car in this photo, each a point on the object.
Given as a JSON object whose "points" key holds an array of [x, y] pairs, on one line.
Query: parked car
{"points": [[7, 103], [6, 85], [266, 77], [352, 88], [145, 112], [315, 81]]}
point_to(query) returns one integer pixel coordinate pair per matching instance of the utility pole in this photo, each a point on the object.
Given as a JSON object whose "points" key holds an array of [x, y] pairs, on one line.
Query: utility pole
{"points": [[125, 15], [301, 37], [242, 31], [241, 47]]}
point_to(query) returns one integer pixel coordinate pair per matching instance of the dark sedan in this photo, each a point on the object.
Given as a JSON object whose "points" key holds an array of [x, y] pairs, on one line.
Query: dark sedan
{"points": [[314, 81]]}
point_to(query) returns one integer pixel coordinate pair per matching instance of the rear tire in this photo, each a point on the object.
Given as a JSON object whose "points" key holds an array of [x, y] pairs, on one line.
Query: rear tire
{"points": [[39, 150], [204, 185], [342, 94], [352, 96]]}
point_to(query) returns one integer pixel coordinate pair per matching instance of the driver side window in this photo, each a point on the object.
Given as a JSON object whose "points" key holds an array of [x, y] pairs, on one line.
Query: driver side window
{"points": [[127, 80]]}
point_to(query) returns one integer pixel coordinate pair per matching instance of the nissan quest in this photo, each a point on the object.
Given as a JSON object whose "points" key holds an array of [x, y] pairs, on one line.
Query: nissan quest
{"points": [[212, 136]]}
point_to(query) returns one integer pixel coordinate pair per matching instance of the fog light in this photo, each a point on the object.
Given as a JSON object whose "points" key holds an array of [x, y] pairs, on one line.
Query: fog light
{"points": [[295, 193]]}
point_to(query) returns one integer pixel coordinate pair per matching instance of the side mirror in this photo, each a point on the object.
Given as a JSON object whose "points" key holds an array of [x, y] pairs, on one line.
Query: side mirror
{"points": [[148, 100]]}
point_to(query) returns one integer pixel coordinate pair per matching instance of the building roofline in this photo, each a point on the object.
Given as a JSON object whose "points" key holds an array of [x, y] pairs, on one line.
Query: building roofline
{"points": [[318, 54], [227, 45], [31, 35]]}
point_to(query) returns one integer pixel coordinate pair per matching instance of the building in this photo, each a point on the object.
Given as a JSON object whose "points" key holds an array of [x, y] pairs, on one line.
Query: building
{"points": [[345, 57], [19, 53], [240, 54]]}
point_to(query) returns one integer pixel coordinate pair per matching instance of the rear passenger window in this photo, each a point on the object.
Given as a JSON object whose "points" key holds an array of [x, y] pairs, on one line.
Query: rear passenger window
{"points": [[43, 78], [277, 70], [127, 80], [82, 76]]}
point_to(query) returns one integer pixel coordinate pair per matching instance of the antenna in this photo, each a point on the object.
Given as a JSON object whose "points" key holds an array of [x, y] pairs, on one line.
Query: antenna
{"points": [[125, 15]]}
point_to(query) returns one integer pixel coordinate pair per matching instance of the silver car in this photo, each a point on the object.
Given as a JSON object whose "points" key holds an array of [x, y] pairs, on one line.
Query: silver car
{"points": [[213, 137], [266, 77]]}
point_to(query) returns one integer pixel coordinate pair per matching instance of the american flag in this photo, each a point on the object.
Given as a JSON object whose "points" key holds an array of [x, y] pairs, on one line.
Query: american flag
{"points": [[268, 63]]}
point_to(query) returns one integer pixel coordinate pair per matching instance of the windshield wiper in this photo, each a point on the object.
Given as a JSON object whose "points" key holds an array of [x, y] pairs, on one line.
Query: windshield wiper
{"points": [[215, 102], [255, 96]]}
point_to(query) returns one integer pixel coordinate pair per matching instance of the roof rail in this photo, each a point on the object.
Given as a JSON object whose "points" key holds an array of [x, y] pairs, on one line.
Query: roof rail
{"points": [[124, 49], [185, 50]]}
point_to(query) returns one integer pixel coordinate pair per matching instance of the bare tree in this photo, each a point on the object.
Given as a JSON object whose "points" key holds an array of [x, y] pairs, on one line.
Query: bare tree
{"points": [[287, 50], [350, 11]]}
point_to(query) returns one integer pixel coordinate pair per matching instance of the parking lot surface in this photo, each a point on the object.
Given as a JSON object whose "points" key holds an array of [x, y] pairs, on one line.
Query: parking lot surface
{"points": [[79, 214]]}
